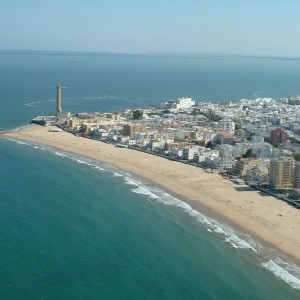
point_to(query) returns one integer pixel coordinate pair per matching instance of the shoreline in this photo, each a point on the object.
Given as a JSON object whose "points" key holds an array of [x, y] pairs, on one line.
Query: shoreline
{"points": [[271, 222]]}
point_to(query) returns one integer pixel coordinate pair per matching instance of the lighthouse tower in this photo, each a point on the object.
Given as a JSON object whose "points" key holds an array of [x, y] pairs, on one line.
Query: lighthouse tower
{"points": [[58, 101]]}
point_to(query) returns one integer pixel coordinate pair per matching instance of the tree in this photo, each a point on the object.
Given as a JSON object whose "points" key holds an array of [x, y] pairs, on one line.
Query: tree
{"points": [[297, 156], [137, 114], [166, 111], [211, 116], [209, 144], [238, 126], [248, 154], [249, 135]]}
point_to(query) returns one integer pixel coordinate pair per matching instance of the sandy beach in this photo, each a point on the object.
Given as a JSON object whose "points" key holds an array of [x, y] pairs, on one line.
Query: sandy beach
{"points": [[270, 220]]}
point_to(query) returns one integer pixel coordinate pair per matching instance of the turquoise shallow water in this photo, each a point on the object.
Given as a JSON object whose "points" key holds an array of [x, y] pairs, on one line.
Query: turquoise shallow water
{"points": [[76, 229]]}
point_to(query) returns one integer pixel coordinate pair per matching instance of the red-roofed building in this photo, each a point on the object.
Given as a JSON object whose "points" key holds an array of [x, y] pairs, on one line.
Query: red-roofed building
{"points": [[278, 136]]}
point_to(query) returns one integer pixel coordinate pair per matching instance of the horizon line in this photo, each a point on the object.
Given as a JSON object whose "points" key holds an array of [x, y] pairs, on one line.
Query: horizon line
{"points": [[166, 53]]}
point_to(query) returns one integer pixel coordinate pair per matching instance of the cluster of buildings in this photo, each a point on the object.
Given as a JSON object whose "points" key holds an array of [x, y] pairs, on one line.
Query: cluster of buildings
{"points": [[255, 140]]}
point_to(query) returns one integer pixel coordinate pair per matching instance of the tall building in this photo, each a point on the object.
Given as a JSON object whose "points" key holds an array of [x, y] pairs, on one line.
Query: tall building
{"points": [[278, 136], [58, 101], [129, 130], [297, 175], [281, 173]]}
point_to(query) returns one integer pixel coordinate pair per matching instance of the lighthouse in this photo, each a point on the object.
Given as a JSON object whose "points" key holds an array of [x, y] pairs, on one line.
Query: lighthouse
{"points": [[58, 101]]}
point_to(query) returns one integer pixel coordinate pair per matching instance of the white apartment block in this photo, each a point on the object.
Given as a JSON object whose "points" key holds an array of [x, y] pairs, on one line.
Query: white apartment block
{"points": [[227, 125], [179, 103], [189, 153], [226, 150], [224, 163]]}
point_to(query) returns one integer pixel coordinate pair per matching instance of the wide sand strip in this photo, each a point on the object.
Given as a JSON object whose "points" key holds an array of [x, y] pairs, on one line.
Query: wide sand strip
{"points": [[265, 217]]}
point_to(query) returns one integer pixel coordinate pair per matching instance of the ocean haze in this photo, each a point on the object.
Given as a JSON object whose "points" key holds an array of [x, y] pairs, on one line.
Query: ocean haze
{"points": [[268, 27]]}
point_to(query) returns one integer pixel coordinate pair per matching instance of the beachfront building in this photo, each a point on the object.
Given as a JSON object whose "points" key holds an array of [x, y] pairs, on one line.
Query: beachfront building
{"points": [[130, 129], [297, 175], [223, 163], [190, 153], [206, 155], [281, 173], [181, 145]]}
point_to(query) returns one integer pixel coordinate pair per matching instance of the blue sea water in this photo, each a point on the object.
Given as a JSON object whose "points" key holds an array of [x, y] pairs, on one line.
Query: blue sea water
{"points": [[72, 228]]}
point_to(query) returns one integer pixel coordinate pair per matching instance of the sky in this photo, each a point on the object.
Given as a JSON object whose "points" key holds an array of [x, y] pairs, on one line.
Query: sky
{"points": [[247, 27]]}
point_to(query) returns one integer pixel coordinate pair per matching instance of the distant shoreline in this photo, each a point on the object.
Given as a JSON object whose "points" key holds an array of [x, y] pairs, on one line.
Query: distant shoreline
{"points": [[273, 222], [186, 55]]}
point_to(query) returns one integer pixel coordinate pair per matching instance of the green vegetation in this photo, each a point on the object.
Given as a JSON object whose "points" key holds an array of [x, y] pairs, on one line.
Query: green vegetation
{"points": [[166, 111], [248, 154], [238, 126], [211, 116], [137, 114], [293, 140], [209, 144], [249, 135], [297, 156]]}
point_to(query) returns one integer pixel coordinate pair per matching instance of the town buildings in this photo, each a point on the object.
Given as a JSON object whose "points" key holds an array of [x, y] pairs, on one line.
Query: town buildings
{"points": [[253, 139]]}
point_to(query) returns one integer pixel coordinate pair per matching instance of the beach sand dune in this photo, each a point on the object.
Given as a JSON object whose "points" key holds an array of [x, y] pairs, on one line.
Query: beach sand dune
{"points": [[270, 220]]}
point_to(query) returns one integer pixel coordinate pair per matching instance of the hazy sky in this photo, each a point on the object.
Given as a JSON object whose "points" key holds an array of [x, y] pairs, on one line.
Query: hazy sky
{"points": [[266, 27]]}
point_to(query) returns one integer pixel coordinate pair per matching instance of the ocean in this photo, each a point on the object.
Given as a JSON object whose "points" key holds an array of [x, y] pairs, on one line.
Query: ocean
{"points": [[73, 228]]}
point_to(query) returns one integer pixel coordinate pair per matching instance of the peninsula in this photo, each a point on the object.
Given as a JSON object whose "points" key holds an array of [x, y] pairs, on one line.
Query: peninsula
{"points": [[236, 161]]}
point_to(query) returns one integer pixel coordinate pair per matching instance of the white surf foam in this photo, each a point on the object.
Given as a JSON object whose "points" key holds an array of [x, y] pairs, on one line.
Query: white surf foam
{"points": [[130, 181], [219, 230], [81, 161], [32, 104], [234, 245], [22, 143], [199, 217], [98, 168], [239, 243], [60, 154], [142, 190], [281, 273], [22, 127], [117, 174]]}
